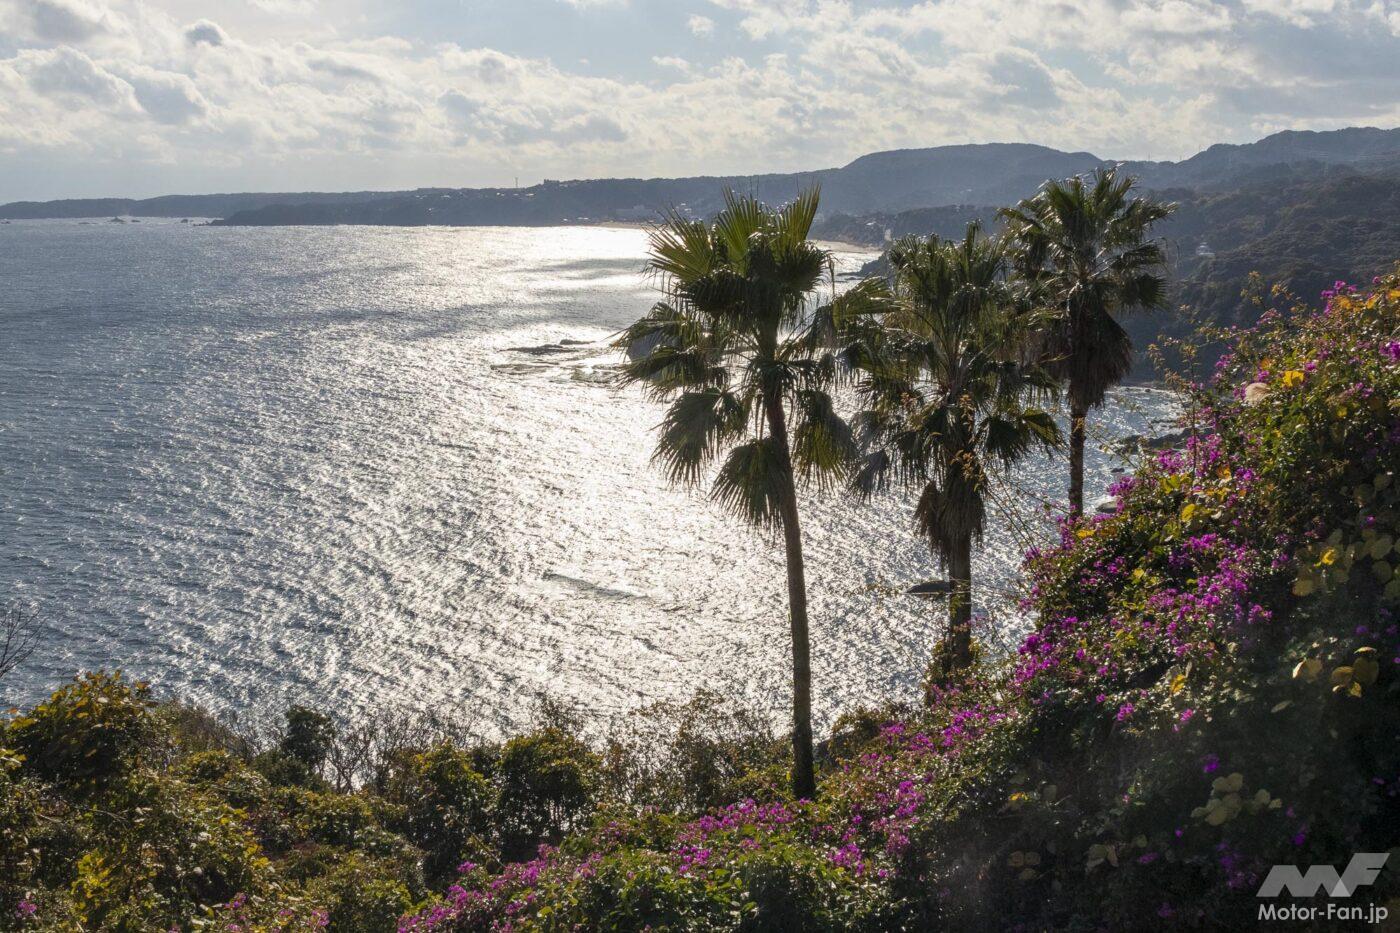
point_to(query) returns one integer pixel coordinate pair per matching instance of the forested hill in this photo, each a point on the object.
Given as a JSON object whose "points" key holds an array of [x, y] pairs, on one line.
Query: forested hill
{"points": [[1306, 235], [1303, 228], [885, 180], [994, 173], [1278, 156]]}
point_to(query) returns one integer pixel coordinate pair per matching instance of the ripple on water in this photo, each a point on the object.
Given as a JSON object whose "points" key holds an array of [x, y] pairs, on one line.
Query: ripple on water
{"points": [[370, 468]]}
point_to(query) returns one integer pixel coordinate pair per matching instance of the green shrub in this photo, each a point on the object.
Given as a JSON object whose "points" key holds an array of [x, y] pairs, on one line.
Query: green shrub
{"points": [[442, 806], [308, 737], [193, 729], [545, 783], [286, 770], [19, 830], [229, 778], [161, 852], [361, 896], [87, 733], [690, 757]]}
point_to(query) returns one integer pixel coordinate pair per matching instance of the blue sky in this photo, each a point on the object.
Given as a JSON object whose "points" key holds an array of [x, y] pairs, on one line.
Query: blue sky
{"points": [[143, 97]]}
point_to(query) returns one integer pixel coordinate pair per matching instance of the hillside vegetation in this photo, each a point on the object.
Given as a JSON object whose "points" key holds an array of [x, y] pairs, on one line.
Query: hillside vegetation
{"points": [[1303, 229], [1213, 688]]}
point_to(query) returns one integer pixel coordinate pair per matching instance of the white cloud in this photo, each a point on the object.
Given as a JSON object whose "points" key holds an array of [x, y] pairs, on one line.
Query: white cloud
{"points": [[70, 75], [169, 97], [210, 33], [91, 82], [67, 20], [1301, 13]]}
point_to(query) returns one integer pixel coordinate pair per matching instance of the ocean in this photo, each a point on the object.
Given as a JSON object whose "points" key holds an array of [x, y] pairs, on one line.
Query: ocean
{"points": [[385, 469]]}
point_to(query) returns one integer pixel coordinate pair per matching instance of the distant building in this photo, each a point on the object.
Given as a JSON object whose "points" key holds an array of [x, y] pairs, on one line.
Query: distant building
{"points": [[1204, 251]]}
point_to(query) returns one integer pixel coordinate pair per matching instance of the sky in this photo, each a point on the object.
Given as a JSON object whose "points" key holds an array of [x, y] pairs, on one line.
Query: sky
{"points": [[137, 98]]}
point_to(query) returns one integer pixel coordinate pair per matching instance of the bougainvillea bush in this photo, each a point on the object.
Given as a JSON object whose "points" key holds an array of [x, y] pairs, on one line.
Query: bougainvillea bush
{"points": [[1212, 687]]}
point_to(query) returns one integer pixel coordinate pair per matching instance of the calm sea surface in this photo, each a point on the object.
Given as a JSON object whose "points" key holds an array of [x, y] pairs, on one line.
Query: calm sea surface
{"points": [[379, 468]]}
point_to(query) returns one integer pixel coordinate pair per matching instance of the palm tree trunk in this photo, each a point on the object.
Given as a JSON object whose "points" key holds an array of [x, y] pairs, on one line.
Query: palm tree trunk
{"points": [[804, 780], [960, 605], [1077, 417]]}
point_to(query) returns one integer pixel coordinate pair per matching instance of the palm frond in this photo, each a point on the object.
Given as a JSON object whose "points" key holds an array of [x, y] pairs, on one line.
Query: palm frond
{"points": [[694, 428], [750, 483], [952, 510], [823, 445], [1008, 438], [667, 369], [682, 250], [871, 473], [663, 325]]}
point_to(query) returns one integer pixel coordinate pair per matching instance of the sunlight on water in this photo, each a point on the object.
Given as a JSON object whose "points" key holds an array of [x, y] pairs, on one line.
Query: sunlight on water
{"points": [[376, 468]]}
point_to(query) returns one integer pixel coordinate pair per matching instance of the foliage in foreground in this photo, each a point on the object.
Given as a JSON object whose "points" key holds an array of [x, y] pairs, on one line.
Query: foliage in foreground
{"points": [[1213, 688]]}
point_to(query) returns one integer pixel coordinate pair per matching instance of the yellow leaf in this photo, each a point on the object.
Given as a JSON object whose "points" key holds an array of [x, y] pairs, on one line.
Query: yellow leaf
{"points": [[1228, 784], [1365, 670], [1292, 378], [1187, 512], [1328, 558]]}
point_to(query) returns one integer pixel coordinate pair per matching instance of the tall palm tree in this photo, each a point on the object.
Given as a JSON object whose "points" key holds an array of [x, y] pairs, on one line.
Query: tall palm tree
{"points": [[732, 349], [947, 399], [1084, 245]]}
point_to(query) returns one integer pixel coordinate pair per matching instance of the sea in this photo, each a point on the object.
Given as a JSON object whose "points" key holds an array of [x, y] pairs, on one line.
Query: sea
{"points": [[389, 471]]}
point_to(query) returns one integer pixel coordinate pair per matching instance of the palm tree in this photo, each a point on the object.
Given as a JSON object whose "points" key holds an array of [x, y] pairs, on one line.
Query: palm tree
{"points": [[947, 399], [1084, 245], [732, 349]]}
